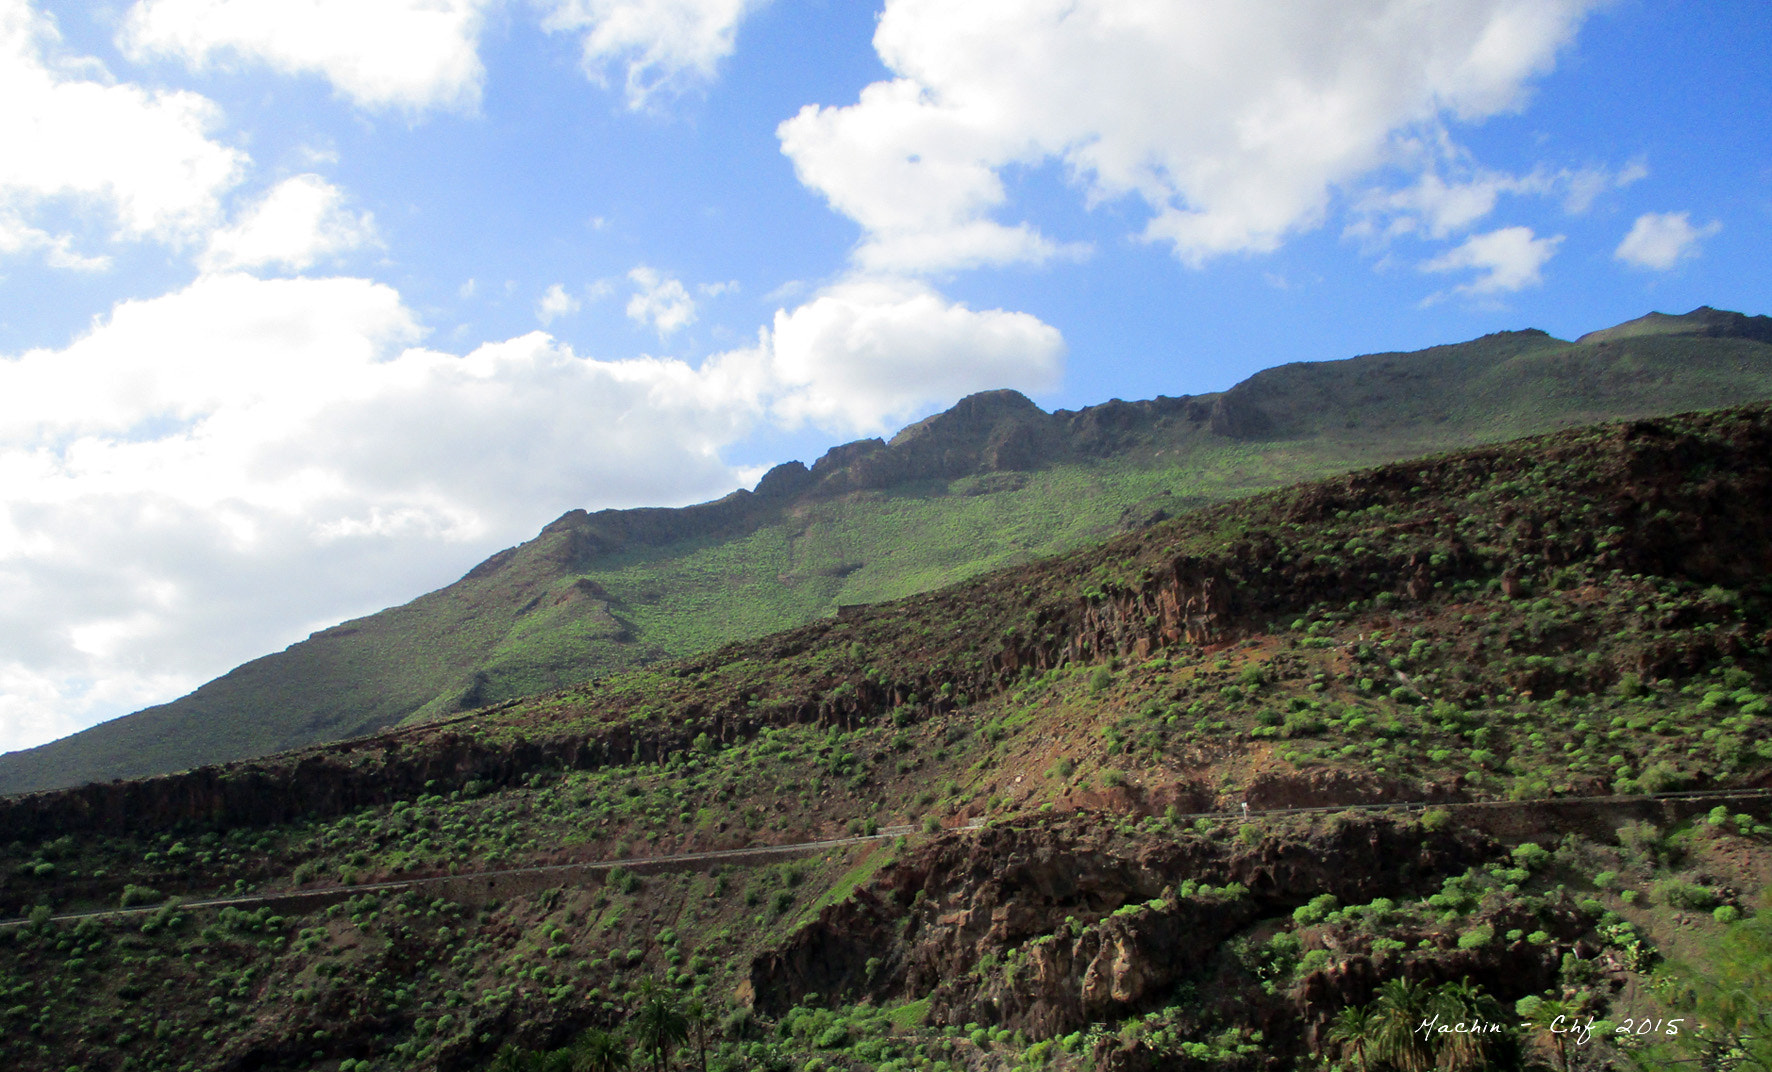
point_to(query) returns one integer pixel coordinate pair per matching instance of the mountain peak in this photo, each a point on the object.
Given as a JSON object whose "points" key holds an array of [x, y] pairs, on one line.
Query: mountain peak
{"points": [[976, 416], [1705, 321]]}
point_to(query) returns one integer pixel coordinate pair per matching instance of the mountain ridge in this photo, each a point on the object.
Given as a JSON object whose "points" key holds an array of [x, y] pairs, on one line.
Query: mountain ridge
{"points": [[991, 481], [1499, 666]]}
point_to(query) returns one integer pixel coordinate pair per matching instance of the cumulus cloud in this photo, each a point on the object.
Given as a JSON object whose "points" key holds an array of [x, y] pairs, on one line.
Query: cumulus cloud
{"points": [[659, 301], [208, 474], [409, 54], [666, 46], [864, 353], [555, 303], [1232, 121], [300, 221], [68, 134], [1659, 240], [1505, 260]]}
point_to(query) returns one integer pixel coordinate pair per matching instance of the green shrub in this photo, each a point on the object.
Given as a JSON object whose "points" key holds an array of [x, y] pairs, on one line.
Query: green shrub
{"points": [[1661, 777], [1643, 844], [134, 895], [1726, 913], [1676, 893], [1531, 855], [1306, 914], [1477, 937], [1303, 723]]}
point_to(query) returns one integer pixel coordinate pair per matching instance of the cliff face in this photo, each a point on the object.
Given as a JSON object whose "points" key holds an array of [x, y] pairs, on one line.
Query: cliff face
{"points": [[1047, 926], [522, 623], [435, 656], [1688, 498]]}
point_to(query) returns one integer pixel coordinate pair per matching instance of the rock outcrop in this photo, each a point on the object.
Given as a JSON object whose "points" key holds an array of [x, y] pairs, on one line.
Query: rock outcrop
{"points": [[1048, 926]]}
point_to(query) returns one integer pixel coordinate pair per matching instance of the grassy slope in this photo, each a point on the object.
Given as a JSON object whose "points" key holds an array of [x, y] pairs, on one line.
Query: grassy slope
{"points": [[532, 624], [1560, 644]]}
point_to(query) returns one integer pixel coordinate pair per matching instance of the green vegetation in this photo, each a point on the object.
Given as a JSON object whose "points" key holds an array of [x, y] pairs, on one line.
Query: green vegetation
{"points": [[1726, 1004], [1509, 632], [617, 590]]}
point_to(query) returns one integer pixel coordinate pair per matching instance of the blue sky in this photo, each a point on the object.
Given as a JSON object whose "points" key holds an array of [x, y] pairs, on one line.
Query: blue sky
{"points": [[308, 305]]}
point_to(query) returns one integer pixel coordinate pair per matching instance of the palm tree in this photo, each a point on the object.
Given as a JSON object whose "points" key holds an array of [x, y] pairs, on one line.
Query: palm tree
{"points": [[1465, 1003], [512, 1058], [696, 1012], [508, 1059], [1351, 1030], [598, 1050], [559, 1060], [1542, 1022], [1398, 1036], [659, 1022]]}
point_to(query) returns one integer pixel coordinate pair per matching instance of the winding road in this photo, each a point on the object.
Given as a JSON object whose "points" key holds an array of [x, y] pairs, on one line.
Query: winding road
{"points": [[802, 848]]}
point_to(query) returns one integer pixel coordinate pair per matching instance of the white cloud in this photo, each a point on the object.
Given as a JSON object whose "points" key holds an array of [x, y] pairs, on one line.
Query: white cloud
{"points": [[1452, 192], [1582, 186], [1431, 206], [410, 54], [1506, 260], [17, 236], [209, 474], [300, 221], [864, 353], [659, 301], [1232, 121], [1659, 240], [667, 46], [70, 135], [555, 303]]}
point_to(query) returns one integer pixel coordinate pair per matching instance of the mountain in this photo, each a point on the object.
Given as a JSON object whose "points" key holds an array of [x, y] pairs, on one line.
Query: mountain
{"points": [[1483, 735], [1705, 321], [992, 482]]}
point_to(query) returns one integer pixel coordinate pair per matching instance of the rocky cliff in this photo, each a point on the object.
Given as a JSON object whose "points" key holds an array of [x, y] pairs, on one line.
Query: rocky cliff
{"points": [[1688, 497], [1048, 925]]}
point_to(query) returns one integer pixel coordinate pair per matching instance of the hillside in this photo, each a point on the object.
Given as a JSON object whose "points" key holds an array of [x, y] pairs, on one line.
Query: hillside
{"points": [[993, 482], [1528, 641]]}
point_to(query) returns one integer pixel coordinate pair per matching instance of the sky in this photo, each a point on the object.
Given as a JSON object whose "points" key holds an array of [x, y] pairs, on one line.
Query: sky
{"points": [[307, 306]]}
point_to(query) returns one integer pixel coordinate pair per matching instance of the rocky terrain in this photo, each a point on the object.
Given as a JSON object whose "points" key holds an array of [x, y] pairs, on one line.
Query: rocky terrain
{"points": [[993, 482], [1532, 650]]}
